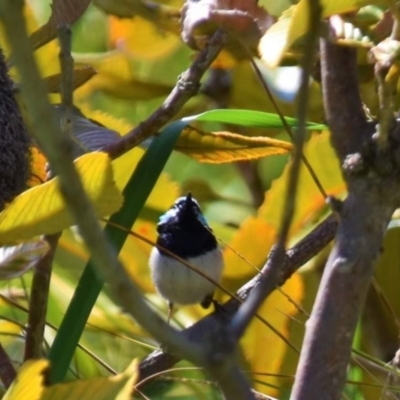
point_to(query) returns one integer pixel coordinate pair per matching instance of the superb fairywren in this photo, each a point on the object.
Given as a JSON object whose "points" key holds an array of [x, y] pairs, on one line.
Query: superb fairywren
{"points": [[184, 231]]}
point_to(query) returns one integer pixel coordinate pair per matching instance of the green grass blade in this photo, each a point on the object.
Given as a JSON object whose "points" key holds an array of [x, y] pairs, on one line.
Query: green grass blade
{"points": [[135, 193]]}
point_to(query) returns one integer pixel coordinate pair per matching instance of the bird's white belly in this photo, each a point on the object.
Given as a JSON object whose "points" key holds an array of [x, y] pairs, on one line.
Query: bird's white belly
{"points": [[179, 284]]}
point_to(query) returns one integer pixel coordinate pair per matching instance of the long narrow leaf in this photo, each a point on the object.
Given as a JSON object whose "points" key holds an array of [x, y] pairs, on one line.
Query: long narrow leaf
{"points": [[251, 119], [135, 193]]}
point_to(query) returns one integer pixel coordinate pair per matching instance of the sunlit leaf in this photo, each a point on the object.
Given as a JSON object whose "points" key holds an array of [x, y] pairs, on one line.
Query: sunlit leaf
{"points": [[277, 310], [81, 74], [309, 201], [116, 76], [220, 147], [16, 260], [294, 23], [152, 43], [248, 249], [117, 387], [41, 209], [63, 12], [29, 382]]}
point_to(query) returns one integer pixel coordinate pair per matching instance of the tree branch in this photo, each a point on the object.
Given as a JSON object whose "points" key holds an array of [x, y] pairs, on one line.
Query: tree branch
{"points": [[38, 301], [187, 86], [372, 174], [329, 332], [343, 106], [42, 273]]}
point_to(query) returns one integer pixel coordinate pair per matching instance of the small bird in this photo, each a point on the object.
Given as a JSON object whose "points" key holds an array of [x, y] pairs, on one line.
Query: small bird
{"points": [[184, 231]]}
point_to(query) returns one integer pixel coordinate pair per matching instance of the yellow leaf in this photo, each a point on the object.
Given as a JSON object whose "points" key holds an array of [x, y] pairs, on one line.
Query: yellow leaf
{"points": [[151, 44], [249, 248], [28, 384], [309, 201], [117, 77], [117, 387], [294, 23], [277, 310], [222, 147], [41, 209]]}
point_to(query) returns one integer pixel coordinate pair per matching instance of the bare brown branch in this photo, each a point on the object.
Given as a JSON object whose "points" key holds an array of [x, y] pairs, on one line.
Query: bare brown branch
{"points": [[372, 173], [342, 101], [38, 301]]}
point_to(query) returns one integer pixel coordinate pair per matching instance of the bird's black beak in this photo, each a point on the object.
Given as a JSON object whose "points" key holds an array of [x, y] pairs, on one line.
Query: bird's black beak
{"points": [[189, 199]]}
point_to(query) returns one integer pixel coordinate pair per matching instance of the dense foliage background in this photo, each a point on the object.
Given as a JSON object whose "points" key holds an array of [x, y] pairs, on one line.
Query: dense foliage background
{"points": [[125, 68]]}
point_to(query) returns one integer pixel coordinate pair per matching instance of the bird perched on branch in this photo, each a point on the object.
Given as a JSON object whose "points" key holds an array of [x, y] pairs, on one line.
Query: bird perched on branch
{"points": [[184, 232]]}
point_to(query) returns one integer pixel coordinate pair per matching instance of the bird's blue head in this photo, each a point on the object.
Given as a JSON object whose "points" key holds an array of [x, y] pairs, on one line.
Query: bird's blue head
{"points": [[183, 208], [184, 230]]}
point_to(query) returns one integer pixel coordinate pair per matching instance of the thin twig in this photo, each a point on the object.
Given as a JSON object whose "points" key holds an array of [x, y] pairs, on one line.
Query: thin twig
{"points": [[246, 312], [187, 86], [38, 301], [42, 274], [66, 64], [58, 149]]}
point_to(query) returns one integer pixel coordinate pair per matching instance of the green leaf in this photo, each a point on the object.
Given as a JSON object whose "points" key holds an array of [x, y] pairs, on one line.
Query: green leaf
{"points": [[250, 119]]}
